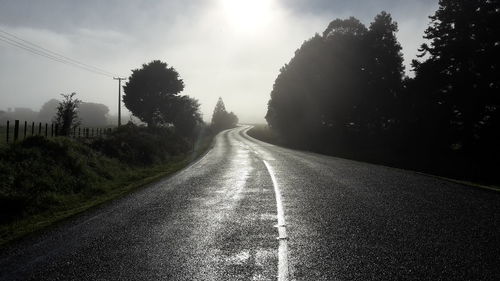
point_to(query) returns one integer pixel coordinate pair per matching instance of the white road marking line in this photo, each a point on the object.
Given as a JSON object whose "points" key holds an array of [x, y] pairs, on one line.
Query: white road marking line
{"points": [[283, 273]]}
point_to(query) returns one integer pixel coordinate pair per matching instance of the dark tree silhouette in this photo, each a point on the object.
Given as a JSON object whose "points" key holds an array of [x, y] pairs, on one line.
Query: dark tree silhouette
{"points": [[340, 87], [186, 115], [345, 93], [151, 92], [454, 96], [349, 27], [460, 77], [289, 102], [385, 72], [221, 119], [67, 114]]}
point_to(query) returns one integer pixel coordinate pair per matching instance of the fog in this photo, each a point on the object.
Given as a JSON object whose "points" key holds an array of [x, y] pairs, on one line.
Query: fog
{"points": [[221, 48]]}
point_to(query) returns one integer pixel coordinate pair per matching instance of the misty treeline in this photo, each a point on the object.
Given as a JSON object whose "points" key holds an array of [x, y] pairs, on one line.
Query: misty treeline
{"points": [[345, 93], [90, 114], [221, 119]]}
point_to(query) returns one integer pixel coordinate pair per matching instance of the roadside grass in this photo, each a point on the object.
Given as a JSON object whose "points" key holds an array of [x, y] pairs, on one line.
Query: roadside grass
{"points": [[264, 133], [463, 182], [100, 180]]}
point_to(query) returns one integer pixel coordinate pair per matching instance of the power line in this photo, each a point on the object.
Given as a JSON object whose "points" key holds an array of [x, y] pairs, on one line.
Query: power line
{"points": [[37, 52], [57, 54], [42, 53], [33, 48]]}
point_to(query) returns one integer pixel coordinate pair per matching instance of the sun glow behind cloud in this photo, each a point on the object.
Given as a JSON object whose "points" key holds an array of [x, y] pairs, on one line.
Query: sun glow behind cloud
{"points": [[247, 15]]}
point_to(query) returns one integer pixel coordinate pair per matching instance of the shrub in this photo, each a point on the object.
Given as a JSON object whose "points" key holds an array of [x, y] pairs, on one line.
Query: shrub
{"points": [[34, 172], [142, 145]]}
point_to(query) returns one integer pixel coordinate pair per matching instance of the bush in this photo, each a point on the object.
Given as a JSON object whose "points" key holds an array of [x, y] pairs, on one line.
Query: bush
{"points": [[36, 171], [40, 175], [141, 145]]}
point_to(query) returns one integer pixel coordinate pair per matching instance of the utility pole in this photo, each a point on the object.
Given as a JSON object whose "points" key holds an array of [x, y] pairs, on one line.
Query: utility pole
{"points": [[119, 98]]}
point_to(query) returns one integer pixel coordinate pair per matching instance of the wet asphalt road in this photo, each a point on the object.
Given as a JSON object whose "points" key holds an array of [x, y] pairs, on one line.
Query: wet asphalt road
{"points": [[216, 220]]}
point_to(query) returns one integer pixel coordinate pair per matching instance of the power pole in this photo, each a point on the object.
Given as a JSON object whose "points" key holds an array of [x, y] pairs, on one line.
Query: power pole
{"points": [[119, 98]]}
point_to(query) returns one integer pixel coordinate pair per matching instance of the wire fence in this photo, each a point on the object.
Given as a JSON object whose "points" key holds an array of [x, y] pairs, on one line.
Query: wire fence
{"points": [[12, 131]]}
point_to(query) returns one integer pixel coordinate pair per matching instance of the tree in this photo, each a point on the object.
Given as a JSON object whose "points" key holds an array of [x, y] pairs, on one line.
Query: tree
{"points": [[348, 27], [151, 92], [89, 113], [67, 114], [221, 119], [93, 114], [459, 77], [294, 111], [48, 110], [339, 88], [381, 102], [186, 115]]}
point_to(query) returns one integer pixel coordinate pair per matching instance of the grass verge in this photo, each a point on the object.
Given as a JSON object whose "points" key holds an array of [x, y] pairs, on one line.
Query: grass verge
{"points": [[263, 133], [119, 179]]}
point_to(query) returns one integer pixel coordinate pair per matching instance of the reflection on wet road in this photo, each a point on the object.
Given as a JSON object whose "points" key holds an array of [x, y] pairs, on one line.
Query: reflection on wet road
{"points": [[253, 211]]}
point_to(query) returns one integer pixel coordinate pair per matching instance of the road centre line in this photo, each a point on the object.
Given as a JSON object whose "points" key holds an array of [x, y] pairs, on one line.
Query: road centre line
{"points": [[283, 272]]}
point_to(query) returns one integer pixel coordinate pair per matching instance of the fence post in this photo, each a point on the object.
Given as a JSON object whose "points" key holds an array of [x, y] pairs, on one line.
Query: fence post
{"points": [[16, 130], [25, 127], [32, 128], [79, 131], [56, 130], [8, 129], [46, 130], [40, 128], [52, 129]]}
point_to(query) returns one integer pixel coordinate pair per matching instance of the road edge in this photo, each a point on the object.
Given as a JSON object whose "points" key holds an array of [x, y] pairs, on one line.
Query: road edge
{"points": [[42, 227], [457, 181]]}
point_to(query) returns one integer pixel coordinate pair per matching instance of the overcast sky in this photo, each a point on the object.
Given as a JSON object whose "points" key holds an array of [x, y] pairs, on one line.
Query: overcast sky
{"points": [[228, 48]]}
